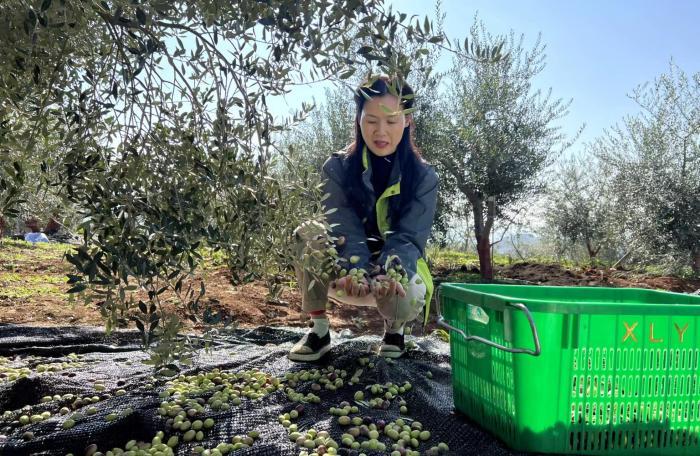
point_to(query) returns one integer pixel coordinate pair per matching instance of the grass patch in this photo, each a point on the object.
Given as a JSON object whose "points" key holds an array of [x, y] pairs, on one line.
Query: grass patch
{"points": [[19, 286], [21, 291], [450, 259], [454, 259], [14, 253], [42, 247], [31, 270], [37, 279], [212, 259]]}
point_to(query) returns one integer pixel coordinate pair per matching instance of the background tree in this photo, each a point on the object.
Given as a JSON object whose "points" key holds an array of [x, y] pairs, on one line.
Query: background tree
{"points": [[498, 133], [580, 208], [654, 157], [35, 196], [11, 182], [327, 129], [429, 97]]}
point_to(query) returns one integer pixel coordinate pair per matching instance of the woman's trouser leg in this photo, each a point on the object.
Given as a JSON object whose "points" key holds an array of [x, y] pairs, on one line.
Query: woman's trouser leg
{"points": [[397, 310], [309, 238]]}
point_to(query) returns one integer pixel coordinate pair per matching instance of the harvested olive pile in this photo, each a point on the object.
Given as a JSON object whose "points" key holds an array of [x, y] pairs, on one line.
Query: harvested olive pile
{"points": [[188, 399], [363, 433], [243, 397]]}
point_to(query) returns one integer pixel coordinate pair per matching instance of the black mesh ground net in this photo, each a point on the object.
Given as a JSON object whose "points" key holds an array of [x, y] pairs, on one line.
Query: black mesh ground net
{"points": [[75, 390]]}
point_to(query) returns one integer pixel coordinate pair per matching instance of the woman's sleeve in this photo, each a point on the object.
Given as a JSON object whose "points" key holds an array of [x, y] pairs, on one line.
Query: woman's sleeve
{"points": [[343, 218], [411, 234]]}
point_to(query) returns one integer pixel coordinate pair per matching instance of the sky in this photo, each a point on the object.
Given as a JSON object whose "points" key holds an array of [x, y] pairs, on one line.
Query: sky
{"points": [[597, 51]]}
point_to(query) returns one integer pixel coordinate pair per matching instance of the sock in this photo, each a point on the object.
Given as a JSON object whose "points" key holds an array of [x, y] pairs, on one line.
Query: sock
{"points": [[321, 325], [393, 326]]}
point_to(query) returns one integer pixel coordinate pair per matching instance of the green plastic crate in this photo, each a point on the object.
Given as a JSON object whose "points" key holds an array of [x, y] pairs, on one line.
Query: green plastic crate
{"points": [[617, 372]]}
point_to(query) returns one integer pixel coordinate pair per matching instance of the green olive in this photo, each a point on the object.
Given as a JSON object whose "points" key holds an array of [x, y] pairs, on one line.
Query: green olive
{"points": [[392, 434]]}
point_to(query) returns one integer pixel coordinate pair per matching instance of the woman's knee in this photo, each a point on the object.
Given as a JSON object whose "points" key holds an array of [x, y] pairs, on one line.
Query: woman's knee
{"points": [[405, 308]]}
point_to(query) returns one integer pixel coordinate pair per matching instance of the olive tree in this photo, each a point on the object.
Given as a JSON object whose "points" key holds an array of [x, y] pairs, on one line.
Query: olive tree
{"points": [[11, 181], [580, 208], [161, 109], [654, 159], [499, 133], [327, 129]]}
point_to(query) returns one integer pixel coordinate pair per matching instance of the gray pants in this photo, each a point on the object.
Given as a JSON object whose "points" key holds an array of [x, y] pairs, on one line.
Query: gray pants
{"points": [[396, 310]]}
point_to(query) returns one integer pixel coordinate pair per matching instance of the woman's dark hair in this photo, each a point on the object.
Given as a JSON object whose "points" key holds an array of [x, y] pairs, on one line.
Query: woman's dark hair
{"points": [[407, 153]]}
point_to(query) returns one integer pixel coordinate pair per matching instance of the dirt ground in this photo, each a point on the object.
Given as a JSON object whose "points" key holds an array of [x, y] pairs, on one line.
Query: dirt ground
{"points": [[554, 274], [32, 292]]}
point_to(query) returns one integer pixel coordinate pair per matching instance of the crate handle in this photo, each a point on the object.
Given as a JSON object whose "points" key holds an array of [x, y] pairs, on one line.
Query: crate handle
{"points": [[520, 306]]}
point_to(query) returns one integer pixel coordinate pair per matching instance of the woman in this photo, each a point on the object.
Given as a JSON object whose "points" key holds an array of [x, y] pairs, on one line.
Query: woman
{"points": [[384, 195]]}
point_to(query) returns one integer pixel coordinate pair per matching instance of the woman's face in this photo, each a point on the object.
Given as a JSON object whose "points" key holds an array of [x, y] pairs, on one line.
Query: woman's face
{"points": [[382, 123]]}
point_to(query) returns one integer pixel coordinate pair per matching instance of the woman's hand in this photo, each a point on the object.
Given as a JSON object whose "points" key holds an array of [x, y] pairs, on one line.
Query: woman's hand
{"points": [[359, 288], [383, 285]]}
